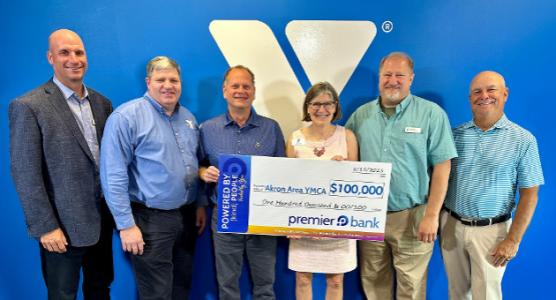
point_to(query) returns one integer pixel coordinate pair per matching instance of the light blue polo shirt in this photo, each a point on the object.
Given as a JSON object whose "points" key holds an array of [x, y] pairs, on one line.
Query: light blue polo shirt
{"points": [[417, 137], [490, 166], [148, 157]]}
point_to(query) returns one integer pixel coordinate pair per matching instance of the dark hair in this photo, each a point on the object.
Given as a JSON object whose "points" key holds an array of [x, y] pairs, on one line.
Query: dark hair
{"points": [[317, 89], [240, 67]]}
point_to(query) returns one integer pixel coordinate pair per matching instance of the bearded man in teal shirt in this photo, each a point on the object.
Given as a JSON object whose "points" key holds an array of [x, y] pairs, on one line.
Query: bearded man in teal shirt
{"points": [[414, 135]]}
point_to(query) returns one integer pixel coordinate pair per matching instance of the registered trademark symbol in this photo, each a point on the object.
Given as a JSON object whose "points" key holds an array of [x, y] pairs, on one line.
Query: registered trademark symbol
{"points": [[387, 26]]}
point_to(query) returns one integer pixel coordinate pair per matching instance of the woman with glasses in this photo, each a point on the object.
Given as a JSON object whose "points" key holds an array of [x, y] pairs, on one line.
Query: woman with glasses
{"points": [[321, 140]]}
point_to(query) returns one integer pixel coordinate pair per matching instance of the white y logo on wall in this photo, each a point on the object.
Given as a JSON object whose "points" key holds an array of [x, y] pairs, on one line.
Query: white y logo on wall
{"points": [[327, 50]]}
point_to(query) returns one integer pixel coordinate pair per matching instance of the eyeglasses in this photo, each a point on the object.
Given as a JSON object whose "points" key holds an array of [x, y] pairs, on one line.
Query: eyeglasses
{"points": [[326, 105]]}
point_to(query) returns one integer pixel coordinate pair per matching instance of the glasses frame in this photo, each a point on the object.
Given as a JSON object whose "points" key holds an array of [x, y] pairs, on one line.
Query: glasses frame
{"points": [[327, 105]]}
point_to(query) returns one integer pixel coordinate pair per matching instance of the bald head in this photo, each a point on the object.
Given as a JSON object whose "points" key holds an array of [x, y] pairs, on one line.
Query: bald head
{"points": [[488, 76], [66, 54], [487, 95], [62, 34]]}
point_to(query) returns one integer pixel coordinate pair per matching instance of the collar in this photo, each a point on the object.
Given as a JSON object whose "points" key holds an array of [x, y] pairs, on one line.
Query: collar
{"points": [[400, 107], [503, 122], [67, 92], [254, 119], [157, 106]]}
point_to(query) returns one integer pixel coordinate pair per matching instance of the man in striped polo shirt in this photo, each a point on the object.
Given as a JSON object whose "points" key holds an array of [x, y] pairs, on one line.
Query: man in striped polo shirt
{"points": [[496, 156]]}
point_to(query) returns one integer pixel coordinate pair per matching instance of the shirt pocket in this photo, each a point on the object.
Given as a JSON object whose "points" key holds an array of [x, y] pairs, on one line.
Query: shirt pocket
{"points": [[413, 145]]}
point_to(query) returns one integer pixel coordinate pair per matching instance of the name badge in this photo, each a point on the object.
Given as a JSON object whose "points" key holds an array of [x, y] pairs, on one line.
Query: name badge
{"points": [[298, 142], [413, 130]]}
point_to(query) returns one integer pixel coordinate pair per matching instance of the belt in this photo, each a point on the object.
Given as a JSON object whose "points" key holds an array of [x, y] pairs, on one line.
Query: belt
{"points": [[139, 205], [397, 211], [478, 222]]}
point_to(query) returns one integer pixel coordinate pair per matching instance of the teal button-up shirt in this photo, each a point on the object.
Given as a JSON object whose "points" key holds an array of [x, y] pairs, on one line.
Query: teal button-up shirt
{"points": [[414, 139]]}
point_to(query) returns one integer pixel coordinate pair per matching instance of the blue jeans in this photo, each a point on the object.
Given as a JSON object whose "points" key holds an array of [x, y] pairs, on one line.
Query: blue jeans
{"points": [[261, 256]]}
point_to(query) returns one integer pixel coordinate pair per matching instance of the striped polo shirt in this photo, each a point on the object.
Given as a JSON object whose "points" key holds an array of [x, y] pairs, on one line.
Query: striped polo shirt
{"points": [[491, 165]]}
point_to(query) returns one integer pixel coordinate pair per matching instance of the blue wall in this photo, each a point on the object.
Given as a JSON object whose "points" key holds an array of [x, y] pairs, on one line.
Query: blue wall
{"points": [[449, 40]]}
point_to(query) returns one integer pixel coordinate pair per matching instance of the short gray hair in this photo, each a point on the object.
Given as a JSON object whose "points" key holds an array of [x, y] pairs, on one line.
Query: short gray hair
{"points": [[398, 54], [162, 63], [239, 67]]}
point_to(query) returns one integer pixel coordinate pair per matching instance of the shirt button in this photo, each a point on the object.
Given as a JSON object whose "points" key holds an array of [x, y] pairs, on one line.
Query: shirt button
{"points": [[385, 150]]}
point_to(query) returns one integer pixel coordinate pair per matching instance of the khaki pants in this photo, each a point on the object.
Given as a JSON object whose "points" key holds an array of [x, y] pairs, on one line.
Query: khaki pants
{"points": [[401, 256], [466, 255]]}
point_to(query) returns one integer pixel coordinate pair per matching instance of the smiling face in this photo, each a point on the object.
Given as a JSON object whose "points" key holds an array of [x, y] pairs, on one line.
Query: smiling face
{"points": [[67, 56], [395, 79], [487, 96], [321, 109], [239, 90], [164, 87]]}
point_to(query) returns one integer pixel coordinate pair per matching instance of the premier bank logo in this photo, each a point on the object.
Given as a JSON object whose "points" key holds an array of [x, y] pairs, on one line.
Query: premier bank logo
{"points": [[327, 51], [341, 221]]}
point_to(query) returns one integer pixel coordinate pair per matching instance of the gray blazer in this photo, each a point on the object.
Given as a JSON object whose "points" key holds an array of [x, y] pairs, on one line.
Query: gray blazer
{"points": [[52, 167]]}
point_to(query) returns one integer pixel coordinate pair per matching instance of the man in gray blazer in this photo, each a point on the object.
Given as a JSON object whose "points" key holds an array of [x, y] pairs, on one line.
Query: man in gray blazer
{"points": [[55, 131]]}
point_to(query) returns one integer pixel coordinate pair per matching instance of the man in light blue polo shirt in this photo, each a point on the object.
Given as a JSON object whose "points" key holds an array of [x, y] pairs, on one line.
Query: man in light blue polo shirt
{"points": [[149, 175], [496, 157], [415, 136]]}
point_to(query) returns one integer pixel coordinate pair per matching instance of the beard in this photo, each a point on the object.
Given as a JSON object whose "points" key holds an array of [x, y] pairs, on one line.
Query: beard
{"points": [[391, 97]]}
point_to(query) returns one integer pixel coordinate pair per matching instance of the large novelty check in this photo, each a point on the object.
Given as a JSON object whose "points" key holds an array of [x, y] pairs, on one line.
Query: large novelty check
{"points": [[289, 196]]}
